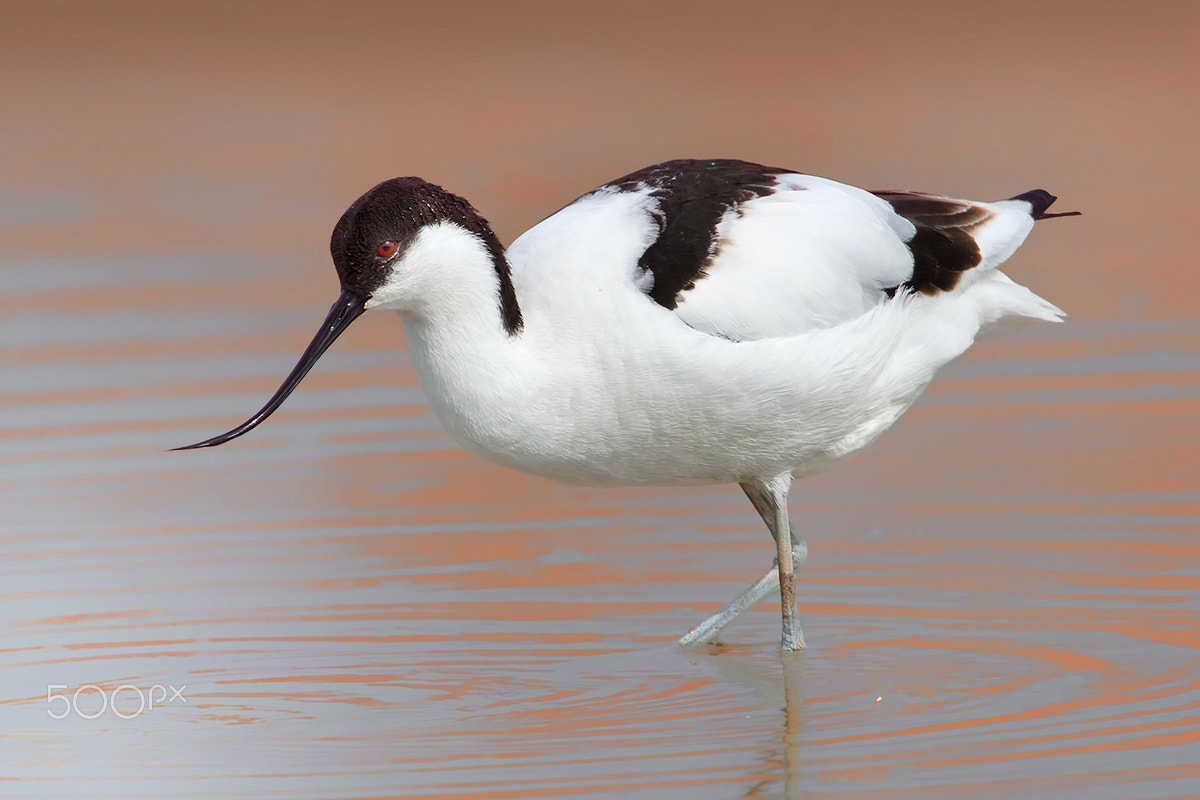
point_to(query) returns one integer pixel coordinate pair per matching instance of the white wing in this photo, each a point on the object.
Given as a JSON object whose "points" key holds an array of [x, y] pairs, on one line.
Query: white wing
{"points": [[748, 252], [812, 254]]}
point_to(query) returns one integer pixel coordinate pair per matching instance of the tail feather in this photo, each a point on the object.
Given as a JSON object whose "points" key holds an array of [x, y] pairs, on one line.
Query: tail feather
{"points": [[1040, 200]]}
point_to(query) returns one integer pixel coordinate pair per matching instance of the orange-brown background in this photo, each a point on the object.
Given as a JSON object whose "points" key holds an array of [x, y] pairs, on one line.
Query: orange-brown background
{"points": [[131, 120]]}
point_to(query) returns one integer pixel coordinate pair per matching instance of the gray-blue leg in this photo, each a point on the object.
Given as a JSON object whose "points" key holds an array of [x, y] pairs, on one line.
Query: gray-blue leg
{"points": [[763, 496]]}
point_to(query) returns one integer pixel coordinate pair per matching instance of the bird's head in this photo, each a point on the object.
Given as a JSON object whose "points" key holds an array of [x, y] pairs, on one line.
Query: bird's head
{"points": [[403, 244]]}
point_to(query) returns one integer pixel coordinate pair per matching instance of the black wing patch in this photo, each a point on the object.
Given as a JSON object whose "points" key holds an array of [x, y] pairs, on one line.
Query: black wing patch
{"points": [[943, 247], [693, 195]]}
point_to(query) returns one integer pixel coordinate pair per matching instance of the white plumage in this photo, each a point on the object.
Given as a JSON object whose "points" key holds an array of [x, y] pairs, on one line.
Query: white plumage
{"points": [[695, 322], [788, 355]]}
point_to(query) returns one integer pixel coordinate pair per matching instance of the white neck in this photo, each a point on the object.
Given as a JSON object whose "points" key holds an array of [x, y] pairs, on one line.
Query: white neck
{"points": [[447, 291]]}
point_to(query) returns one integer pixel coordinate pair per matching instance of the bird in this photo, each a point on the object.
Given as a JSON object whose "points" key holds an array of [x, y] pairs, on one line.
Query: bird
{"points": [[695, 322]]}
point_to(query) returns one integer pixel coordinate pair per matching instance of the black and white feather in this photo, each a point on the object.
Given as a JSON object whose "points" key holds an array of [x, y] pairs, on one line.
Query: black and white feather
{"points": [[691, 322], [744, 251]]}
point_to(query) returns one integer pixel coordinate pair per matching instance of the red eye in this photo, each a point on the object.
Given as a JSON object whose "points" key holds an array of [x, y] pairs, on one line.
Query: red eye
{"points": [[386, 249]]}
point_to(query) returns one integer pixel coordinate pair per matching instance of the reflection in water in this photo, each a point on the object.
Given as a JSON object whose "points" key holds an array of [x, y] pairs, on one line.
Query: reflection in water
{"points": [[792, 670], [778, 684]]}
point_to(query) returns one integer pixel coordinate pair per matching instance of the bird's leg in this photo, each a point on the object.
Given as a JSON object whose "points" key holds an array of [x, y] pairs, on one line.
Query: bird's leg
{"points": [[776, 492], [707, 630], [760, 497]]}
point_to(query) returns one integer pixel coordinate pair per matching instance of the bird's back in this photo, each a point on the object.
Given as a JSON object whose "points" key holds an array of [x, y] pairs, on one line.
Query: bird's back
{"points": [[692, 322], [747, 252], [709, 321]]}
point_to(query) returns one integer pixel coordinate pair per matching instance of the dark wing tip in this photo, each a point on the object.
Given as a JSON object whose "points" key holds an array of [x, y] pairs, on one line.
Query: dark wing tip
{"points": [[1040, 200]]}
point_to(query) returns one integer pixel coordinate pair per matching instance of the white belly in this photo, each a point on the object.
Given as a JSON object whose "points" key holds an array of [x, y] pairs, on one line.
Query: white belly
{"points": [[691, 409]]}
